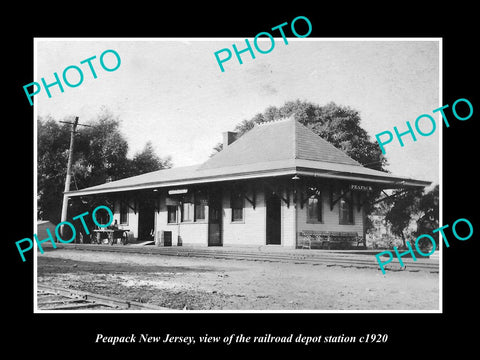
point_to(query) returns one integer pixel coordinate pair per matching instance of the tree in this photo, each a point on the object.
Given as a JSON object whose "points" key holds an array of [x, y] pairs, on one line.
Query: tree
{"points": [[100, 153], [414, 208], [52, 155], [403, 205], [147, 160], [429, 215]]}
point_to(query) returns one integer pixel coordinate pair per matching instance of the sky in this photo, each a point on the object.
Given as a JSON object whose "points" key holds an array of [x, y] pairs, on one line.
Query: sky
{"points": [[172, 92]]}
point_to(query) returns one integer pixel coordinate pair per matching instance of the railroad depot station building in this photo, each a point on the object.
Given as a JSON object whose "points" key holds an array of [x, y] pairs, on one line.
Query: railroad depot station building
{"points": [[279, 184]]}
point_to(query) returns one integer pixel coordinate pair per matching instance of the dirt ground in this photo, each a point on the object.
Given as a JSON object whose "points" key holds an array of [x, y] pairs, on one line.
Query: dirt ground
{"points": [[216, 284]]}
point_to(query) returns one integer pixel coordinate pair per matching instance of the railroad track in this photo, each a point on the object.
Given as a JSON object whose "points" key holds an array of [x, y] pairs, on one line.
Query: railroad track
{"points": [[314, 257], [54, 298]]}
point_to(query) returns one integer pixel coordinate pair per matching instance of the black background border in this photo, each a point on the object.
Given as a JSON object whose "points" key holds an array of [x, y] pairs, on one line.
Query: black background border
{"points": [[408, 333]]}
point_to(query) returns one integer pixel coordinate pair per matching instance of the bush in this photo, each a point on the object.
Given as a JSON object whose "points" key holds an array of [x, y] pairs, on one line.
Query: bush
{"points": [[386, 242]]}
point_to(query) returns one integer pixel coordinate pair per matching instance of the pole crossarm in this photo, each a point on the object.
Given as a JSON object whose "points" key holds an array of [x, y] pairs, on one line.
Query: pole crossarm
{"points": [[75, 123]]}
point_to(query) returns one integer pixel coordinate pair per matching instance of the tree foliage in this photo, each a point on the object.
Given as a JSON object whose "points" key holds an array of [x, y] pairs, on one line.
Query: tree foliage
{"points": [[147, 161], [402, 206], [414, 206], [428, 209], [100, 154], [52, 155]]}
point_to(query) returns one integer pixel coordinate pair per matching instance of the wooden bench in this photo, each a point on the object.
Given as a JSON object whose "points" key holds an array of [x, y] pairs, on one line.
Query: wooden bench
{"points": [[311, 239]]}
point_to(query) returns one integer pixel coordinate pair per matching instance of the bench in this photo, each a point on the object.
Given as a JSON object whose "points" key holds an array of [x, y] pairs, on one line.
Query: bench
{"points": [[311, 239]]}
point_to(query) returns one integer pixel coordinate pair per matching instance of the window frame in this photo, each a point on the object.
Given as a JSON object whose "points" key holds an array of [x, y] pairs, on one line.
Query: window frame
{"points": [[310, 220], [348, 200], [175, 208], [200, 199], [237, 195], [191, 207]]}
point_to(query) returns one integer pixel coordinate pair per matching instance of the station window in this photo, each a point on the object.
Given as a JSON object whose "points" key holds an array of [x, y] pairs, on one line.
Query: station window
{"points": [[314, 209], [200, 205], [187, 211], [237, 203], [187, 208], [346, 210], [172, 214]]}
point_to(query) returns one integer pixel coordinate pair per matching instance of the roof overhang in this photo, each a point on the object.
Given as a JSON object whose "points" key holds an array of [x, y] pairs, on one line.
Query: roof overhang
{"points": [[383, 180], [174, 183], [386, 182]]}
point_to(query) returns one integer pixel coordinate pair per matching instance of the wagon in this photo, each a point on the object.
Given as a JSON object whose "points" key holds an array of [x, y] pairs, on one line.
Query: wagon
{"points": [[110, 234]]}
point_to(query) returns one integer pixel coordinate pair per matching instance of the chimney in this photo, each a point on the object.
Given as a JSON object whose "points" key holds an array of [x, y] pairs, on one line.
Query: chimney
{"points": [[228, 138]]}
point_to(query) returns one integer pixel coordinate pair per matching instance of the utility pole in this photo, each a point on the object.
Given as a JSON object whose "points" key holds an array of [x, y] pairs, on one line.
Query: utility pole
{"points": [[69, 170]]}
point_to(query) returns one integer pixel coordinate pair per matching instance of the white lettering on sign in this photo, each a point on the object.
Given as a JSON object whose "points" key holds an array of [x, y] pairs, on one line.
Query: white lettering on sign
{"points": [[361, 187], [177, 191]]}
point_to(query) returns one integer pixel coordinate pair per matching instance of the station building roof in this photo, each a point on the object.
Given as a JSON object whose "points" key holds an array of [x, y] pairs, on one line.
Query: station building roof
{"points": [[278, 148]]}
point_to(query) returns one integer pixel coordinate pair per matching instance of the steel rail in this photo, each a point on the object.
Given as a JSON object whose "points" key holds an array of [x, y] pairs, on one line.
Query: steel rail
{"points": [[76, 299], [330, 258]]}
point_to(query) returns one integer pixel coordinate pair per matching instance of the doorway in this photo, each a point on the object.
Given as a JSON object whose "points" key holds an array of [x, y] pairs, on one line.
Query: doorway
{"points": [[273, 226], [146, 221], [215, 220]]}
